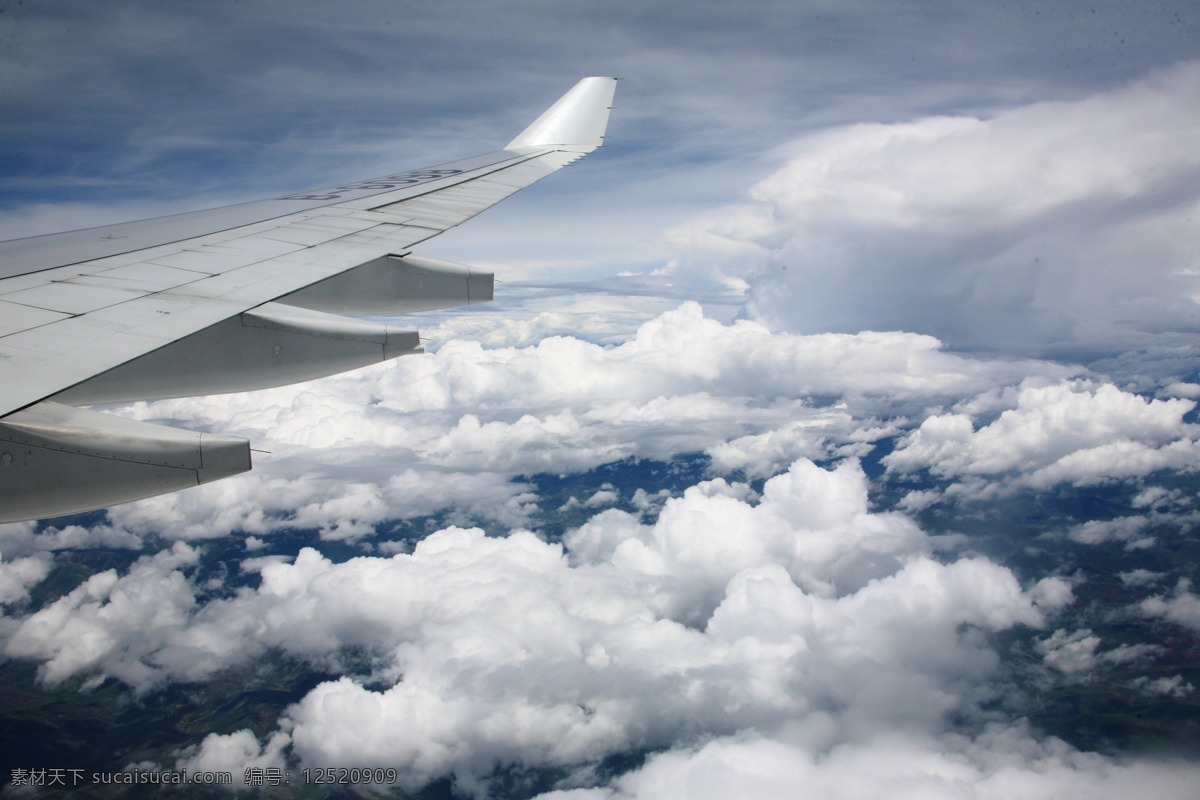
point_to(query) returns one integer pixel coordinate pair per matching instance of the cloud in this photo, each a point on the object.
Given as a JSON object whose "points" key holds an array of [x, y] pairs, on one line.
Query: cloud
{"points": [[528, 654], [604, 496], [1117, 529], [1139, 577], [724, 615], [1182, 608], [1173, 686], [1069, 432], [727, 612], [1047, 227], [453, 429], [26, 539], [1076, 653], [111, 625], [19, 575], [1001, 763], [234, 753]]}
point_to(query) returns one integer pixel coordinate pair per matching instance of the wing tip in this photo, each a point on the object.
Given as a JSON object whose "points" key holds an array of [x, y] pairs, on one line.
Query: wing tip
{"points": [[578, 119]]}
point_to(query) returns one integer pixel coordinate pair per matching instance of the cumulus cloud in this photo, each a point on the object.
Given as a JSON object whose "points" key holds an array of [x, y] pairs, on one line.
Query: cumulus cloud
{"points": [[604, 496], [1069, 432], [1118, 529], [1077, 653], [730, 612], [1139, 577], [1055, 225], [1181, 608], [452, 429], [1000, 764], [234, 753], [721, 616], [111, 624], [726, 612], [26, 539], [1172, 686], [19, 575]]}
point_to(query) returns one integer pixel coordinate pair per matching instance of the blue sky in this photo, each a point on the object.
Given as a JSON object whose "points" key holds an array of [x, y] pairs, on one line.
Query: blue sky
{"points": [[167, 101], [869, 262]]}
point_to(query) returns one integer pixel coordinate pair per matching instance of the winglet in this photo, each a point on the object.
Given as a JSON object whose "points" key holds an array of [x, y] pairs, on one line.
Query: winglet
{"points": [[578, 118]]}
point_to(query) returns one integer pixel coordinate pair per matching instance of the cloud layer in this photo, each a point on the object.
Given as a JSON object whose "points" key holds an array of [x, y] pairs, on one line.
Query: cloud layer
{"points": [[453, 429], [723, 616], [769, 612]]}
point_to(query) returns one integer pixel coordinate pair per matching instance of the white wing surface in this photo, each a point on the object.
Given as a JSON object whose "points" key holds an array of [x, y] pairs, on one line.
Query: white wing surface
{"points": [[231, 299]]}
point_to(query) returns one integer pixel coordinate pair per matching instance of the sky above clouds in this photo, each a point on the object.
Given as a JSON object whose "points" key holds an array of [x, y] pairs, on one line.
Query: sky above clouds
{"points": [[896, 276]]}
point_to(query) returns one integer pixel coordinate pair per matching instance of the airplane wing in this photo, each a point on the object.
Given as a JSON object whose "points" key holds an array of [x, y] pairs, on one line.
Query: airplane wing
{"points": [[231, 299]]}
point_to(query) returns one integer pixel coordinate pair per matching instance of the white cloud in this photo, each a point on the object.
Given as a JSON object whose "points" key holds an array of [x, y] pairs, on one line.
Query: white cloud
{"points": [[1139, 577], [1077, 653], [234, 753], [761, 454], [450, 430], [1183, 389], [17, 577], [1001, 763], [1070, 432], [1173, 686], [604, 496], [707, 615], [24, 538], [110, 626], [1158, 498], [1118, 529], [729, 613], [1182, 608], [1045, 226], [704, 627]]}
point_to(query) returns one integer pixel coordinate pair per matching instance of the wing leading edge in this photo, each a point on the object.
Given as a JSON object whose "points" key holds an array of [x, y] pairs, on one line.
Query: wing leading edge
{"points": [[230, 299]]}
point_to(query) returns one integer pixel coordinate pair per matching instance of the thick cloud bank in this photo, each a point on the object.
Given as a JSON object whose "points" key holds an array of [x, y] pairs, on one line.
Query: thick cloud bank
{"points": [[451, 430], [800, 611], [1055, 226], [800, 638], [768, 623]]}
